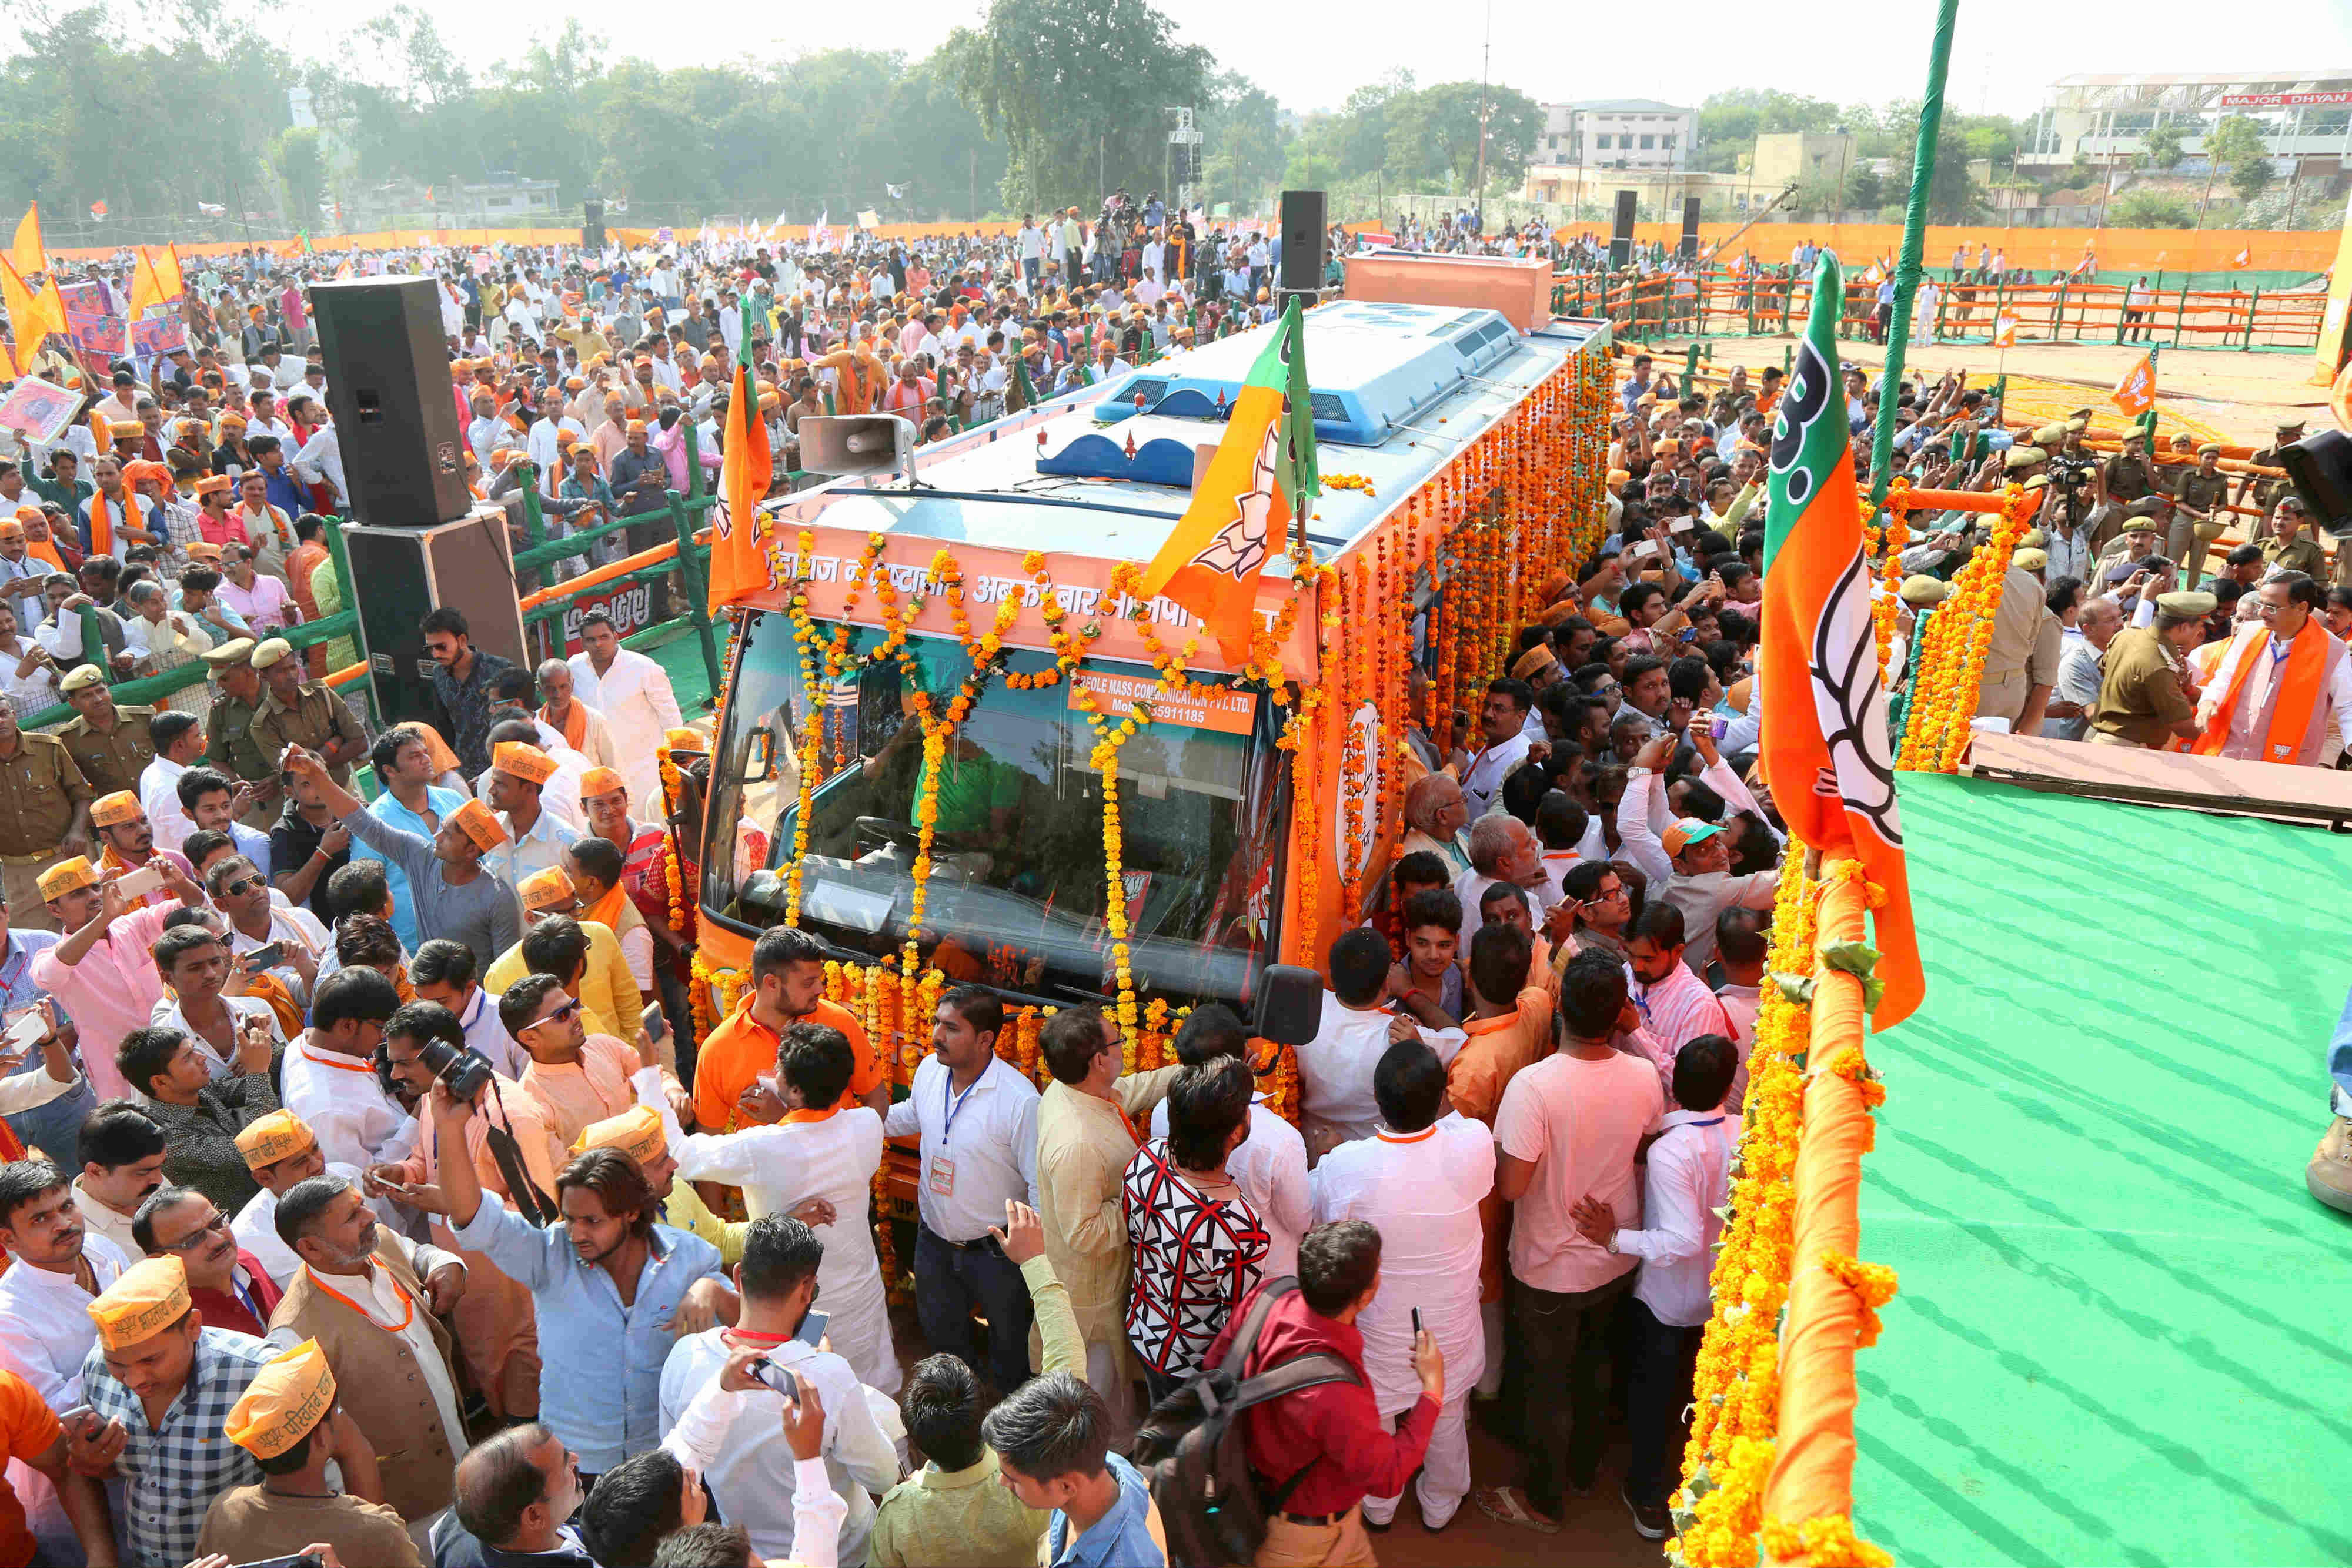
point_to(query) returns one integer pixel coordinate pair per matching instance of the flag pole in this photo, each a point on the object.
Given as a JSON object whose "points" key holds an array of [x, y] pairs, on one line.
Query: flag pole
{"points": [[1915, 241]]}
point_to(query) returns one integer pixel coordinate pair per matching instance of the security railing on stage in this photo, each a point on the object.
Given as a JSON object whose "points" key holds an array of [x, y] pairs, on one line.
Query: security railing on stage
{"points": [[1718, 302]]}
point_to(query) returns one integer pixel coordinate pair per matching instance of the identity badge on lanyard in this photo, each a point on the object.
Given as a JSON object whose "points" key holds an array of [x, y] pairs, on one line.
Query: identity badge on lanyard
{"points": [[942, 1175]]}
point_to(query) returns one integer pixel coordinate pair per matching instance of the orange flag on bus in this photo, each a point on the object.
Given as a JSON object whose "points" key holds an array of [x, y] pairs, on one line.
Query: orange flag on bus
{"points": [[738, 563], [2135, 394]]}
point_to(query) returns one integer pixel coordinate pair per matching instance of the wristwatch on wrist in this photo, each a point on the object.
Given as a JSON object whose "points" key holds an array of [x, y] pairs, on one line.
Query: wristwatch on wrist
{"points": [[1610, 1245]]}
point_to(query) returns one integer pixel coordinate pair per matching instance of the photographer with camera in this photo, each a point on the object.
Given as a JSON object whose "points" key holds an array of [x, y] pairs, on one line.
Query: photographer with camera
{"points": [[498, 1335], [659, 1283]]}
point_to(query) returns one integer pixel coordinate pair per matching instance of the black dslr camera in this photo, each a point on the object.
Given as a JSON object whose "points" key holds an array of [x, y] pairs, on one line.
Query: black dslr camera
{"points": [[465, 1070]]}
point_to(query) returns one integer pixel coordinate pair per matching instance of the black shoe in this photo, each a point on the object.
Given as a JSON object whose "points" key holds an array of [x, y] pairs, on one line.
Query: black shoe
{"points": [[1651, 1521]]}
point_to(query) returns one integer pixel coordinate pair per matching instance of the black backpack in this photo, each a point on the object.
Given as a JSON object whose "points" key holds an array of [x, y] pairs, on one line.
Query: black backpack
{"points": [[1189, 1446]]}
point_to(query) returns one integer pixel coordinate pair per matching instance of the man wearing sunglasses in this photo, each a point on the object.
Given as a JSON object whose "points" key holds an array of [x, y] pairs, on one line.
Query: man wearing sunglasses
{"points": [[225, 1283]]}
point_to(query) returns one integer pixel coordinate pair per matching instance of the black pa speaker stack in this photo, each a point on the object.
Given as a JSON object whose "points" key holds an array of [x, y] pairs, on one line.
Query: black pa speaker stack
{"points": [[416, 537], [1304, 242], [1689, 251], [1621, 242]]}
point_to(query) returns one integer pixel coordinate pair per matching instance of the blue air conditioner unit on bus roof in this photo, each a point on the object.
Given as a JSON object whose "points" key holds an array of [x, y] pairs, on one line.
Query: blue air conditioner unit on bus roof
{"points": [[1370, 368]]}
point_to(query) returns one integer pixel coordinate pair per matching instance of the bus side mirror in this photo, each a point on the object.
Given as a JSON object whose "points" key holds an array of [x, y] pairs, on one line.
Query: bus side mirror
{"points": [[759, 762], [1289, 1004]]}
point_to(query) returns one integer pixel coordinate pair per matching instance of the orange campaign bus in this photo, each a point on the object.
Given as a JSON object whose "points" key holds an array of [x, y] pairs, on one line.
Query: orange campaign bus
{"points": [[946, 669]]}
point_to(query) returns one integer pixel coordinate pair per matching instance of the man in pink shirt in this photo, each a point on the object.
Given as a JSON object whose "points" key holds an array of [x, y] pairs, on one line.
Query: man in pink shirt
{"points": [[1568, 1131], [103, 971]]}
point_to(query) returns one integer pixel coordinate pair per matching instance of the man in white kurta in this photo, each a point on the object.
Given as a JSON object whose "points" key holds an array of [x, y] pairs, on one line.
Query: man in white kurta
{"points": [[346, 1109], [831, 1155], [2256, 672], [633, 694], [1421, 1189]]}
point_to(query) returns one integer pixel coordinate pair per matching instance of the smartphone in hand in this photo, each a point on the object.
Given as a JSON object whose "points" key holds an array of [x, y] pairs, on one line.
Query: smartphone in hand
{"points": [[137, 884]]}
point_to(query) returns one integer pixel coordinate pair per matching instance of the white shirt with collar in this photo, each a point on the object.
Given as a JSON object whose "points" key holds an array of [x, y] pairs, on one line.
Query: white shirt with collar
{"points": [[297, 928], [534, 851], [46, 1331], [1335, 1068], [347, 1110], [103, 1221], [486, 1034], [1689, 1178], [384, 1301], [159, 796], [978, 1148], [751, 1473]]}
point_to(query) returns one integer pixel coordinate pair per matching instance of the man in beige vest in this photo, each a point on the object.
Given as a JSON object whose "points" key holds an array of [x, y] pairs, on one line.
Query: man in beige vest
{"points": [[372, 1299]]}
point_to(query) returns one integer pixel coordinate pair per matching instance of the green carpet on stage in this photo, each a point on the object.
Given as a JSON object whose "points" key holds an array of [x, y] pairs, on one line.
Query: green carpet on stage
{"points": [[2125, 1329]]}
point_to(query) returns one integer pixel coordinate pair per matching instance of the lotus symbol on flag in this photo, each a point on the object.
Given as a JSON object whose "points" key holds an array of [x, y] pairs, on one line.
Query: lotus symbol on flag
{"points": [[1239, 548]]}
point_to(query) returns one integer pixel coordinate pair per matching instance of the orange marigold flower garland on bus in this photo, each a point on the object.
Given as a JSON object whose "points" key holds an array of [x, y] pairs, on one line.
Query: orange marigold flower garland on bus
{"points": [[1887, 604], [804, 639], [1949, 667]]}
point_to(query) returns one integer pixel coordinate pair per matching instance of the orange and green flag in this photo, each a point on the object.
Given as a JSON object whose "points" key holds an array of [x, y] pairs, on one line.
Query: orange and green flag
{"points": [[1825, 749], [738, 565], [1261, 473]]}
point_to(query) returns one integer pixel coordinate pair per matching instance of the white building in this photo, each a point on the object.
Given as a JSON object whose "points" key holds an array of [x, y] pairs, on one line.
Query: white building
{"points": [[2305, 116], [1630, 133]]}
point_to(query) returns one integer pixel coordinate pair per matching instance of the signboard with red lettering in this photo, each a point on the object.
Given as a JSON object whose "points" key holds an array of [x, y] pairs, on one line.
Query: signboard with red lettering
{"points": [[1226, 710], [630, 605]]}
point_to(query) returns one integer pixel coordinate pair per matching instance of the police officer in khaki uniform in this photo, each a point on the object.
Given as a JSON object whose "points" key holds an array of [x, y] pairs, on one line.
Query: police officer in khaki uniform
{"points": [[303, 713], [2144, 694], [44, 813], [2197, 516], [109, 744], [229, 744], [2266, 489], [2022, 661], [2289, 547]]}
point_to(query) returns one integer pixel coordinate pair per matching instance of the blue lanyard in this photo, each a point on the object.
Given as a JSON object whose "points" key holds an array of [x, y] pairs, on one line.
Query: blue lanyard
{"points": [[948, 1108], [1710, 1122]]}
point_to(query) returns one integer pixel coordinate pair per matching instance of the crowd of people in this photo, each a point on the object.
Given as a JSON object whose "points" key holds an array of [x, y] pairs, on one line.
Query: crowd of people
{"points": [[637, 1316]]}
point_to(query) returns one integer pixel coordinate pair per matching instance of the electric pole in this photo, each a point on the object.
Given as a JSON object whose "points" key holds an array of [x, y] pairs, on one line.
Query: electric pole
{"points": [[1486, 58]]}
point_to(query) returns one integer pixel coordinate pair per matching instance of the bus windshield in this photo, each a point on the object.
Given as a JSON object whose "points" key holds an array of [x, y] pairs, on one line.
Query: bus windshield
{"points": [[1017, 893]]}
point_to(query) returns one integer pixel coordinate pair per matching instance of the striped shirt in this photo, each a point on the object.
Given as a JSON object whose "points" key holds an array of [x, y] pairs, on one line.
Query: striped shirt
{"points": [[1676, 1011]]}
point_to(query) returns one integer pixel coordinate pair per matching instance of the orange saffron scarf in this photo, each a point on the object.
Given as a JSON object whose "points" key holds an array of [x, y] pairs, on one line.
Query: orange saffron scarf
{"points": [[2298, 695], [574, 726]]}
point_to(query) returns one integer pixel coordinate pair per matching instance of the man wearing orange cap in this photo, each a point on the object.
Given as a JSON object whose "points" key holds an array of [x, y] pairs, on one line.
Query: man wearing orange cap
{"points": [[453, 893], [279, 1150], [638, 1134], [167, 1383], [291, 1422], [535, 838], [586, 955], [128, 843], [103, 971]]}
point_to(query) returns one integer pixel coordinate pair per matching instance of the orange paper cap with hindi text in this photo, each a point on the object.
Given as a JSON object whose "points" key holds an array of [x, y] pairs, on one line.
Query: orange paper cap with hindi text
{"points": [[270, 1139], [150, 1296], [521, 759], [108, 811], [284, 1403], [600, 781], [480, 823], [635, 1131]]}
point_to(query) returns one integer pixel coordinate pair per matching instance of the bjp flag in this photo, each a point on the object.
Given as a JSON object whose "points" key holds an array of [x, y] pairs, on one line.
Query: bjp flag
{"points": [[2004, 330], [1258, 479], [1825, 750], [738, 563], [2135, 394], [168, 273]]}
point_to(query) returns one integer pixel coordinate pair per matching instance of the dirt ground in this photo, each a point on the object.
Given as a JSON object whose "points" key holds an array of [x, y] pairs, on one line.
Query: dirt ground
{"points": [[2243, 394]]}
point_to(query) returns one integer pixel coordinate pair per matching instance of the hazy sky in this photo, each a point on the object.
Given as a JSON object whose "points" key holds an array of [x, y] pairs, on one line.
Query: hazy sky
{"points": [[2003, 57]]}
